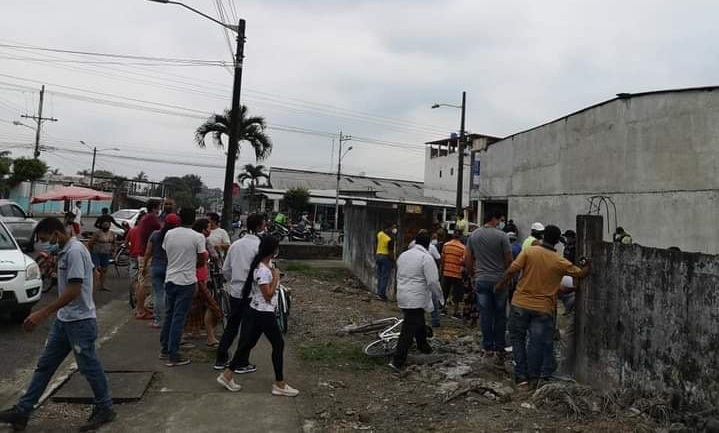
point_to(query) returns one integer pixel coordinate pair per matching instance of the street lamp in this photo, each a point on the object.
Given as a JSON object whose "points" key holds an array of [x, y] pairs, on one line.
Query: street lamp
{"points": [[232, 146], [340, 157], [460, 150], [95, 150], [18, 123]]}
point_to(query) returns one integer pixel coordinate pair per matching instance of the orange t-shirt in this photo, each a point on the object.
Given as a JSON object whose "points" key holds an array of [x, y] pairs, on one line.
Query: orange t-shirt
{"points": [[453, 258], [542, 272]]}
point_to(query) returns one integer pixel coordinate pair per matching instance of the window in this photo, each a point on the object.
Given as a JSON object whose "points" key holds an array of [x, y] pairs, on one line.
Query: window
{"points": [[440, 174], [16, 211], [6, 240], [451, 171]]}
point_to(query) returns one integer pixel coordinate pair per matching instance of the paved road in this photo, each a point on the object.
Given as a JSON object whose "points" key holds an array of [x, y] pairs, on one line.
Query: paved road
{"points": [[20, 349]]}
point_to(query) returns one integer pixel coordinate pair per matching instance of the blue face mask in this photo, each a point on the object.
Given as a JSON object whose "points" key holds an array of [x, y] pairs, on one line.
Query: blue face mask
{"points": [[50, 248]]}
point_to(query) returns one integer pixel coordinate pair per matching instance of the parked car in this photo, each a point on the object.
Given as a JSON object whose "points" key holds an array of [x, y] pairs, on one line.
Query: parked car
{"points": [[20, 280], [19, 224], [126, 215]]}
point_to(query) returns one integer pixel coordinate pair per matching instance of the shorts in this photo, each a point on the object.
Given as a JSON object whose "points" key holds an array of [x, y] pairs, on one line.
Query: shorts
{"points": [[133, 269], [101, 260]]}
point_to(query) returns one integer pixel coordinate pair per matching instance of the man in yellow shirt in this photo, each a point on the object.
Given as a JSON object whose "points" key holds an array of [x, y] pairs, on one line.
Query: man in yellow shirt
{"points": [[534, 303], [384, 255]]}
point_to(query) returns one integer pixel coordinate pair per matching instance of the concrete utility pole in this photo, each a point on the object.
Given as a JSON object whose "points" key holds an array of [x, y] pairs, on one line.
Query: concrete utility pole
{"points": [[342, 139], [460, 149], [39, 119]]}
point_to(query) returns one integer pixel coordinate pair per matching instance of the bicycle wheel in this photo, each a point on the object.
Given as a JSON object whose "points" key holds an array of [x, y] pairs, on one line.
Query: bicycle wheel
{"points": [[384, 347]]}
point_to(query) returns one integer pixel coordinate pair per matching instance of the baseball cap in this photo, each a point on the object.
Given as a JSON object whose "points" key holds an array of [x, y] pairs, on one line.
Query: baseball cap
{"points": [[172, 219], [538, 227]]}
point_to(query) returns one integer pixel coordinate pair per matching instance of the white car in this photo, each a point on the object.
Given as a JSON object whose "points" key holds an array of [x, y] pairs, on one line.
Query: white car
{"points": [[126, 215], [20, 280]]}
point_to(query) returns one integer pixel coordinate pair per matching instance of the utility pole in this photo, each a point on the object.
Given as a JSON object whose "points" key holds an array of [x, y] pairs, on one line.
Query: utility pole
{"points": [[39, 119], [342, 139], [233, 145], [460, 150]]}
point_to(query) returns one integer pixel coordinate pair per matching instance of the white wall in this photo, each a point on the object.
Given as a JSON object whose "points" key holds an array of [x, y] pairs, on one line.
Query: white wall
{"points": [[655, 155]]}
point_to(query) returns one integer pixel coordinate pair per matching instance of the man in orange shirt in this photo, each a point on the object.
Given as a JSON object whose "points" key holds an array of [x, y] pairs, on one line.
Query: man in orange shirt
{"points": [[534, 303], [452, 266]]}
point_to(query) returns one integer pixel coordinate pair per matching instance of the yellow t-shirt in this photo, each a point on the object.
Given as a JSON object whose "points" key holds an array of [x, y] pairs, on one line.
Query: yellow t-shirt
{"points": [[383, 240], [542, 272], [462, 225], [528, 243]]}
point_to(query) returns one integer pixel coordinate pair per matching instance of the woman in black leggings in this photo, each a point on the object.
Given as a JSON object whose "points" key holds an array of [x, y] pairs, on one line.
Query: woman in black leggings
{"points": [[261, 290]]}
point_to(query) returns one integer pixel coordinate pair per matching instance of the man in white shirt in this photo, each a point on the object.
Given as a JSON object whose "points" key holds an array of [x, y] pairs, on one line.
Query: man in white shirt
{"points": [[185, 250], [417, 283], [78, 213], [236, 268], [219, 239]]}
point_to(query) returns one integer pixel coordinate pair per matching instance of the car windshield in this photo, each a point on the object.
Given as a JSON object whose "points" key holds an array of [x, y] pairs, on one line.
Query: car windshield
{"points": [[124, 214], [6, 239]]}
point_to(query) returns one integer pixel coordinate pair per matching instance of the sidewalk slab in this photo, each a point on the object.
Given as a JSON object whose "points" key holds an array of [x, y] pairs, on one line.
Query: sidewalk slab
{"points": [[125, 386]]}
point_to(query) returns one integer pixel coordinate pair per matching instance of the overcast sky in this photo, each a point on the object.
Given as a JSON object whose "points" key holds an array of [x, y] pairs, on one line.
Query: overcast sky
{"points": [[370, 68]]}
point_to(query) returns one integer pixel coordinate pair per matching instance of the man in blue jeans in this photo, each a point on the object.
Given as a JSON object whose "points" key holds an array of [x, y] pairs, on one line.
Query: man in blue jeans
{"points": [[488, 255], [185, 250], [74, 329], [534, 305]]}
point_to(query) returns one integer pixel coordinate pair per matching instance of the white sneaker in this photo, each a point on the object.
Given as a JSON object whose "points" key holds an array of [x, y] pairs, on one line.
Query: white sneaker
{"points": [[230, 385], [287, 391]]}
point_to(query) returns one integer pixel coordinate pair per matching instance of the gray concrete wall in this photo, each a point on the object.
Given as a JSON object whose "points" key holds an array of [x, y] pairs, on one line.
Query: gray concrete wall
{"points": [[648, 318], [656, 155]]}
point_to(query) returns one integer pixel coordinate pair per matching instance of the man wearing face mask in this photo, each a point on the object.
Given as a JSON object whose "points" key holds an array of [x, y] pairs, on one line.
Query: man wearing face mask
{"points": [[384, 257], [74, 330]]}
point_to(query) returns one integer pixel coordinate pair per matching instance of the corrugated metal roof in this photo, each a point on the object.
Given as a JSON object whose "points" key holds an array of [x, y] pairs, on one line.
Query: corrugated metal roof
{"points": [[396, 189]]}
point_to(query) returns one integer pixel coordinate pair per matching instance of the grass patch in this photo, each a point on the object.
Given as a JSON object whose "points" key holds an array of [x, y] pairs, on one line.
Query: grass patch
{"points": [[300, 267], [337, 354], [320, 273]]}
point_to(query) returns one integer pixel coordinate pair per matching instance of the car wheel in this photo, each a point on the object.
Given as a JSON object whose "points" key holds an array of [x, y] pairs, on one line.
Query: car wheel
{"points": [[19, 315]]}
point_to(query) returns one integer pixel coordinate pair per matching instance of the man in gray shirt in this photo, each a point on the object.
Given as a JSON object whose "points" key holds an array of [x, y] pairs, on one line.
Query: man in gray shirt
{"points": [[488, 255], [74, 329]]}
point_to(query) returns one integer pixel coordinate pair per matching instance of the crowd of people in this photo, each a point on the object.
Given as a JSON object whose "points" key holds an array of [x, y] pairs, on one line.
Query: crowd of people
{"points": [[169, 267], [512, 287]]}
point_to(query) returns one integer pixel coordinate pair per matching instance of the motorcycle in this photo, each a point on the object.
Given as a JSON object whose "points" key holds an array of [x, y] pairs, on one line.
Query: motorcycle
{"points": [[279, 231], [306, 235]]}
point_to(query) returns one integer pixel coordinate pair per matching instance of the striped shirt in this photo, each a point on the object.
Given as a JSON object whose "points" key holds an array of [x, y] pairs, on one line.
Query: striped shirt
{"points": [[453, 258]]}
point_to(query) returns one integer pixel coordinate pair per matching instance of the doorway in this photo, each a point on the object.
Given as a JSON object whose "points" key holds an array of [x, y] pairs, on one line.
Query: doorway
{"points": [[490, 206]]}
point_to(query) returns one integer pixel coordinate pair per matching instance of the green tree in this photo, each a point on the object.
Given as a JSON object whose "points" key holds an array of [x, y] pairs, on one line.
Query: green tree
{"points": [[140, 176], [55, 171], [27, 170], [297, 200], [252, 174], [251, 130], [181, 190], [83, 172], [5, 165]]}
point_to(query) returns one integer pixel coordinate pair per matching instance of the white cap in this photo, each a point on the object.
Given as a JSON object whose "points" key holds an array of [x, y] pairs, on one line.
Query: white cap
{"points": [[538, 227]]}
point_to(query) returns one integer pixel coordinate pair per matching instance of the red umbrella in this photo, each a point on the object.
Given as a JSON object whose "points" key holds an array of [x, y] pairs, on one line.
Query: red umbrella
{"points": [[72, 193]]}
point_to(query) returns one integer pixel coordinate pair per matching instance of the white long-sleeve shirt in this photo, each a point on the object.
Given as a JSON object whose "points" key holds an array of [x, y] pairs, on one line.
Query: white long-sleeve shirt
{"points": [[238, 261], [417, 279]]}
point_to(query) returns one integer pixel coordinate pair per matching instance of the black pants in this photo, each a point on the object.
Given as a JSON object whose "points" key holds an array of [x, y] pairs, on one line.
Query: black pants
{"points": [[454, 287], [254, 325], [413, 328], [238, 309]]}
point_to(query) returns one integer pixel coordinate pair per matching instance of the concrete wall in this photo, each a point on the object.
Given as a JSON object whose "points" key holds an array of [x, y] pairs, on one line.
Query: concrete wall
{"points": [[444, 188], [305, 251], [656, 155], [648, 318]]}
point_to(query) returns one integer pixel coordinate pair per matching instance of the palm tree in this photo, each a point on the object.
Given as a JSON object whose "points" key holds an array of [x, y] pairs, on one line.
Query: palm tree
{"points": [[251, 129], [140, 176], [253, 174], [55, 171]]}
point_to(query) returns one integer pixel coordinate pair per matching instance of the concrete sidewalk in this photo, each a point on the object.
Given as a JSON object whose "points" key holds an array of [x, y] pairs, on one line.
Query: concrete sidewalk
{"points": [[187, 398], [178, 399]]}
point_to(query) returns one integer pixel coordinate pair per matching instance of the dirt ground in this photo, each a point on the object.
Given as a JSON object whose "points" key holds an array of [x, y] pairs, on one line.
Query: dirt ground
{"points": [[453, 390]]}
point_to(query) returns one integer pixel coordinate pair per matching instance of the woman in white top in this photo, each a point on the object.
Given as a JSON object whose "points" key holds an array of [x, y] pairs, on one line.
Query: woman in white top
{"points": [[260, 319]]}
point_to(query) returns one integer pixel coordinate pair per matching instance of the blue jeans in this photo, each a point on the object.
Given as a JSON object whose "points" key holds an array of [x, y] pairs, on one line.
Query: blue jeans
{"points": [[79, 337], [179, 300], [435, 313], [157, 275], [531, 360], [492, 315], [384, 266]]}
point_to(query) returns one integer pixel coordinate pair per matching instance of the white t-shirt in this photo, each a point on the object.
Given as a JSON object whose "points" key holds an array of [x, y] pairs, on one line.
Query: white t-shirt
{"points": [[567, 282], [78, 215], [218, 237], [263, 275], [432, 250], [182, 246]]}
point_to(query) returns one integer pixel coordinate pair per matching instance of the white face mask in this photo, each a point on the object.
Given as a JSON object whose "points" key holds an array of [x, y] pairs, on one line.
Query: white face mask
{"points": [[433, 242], [394, 231], [501, 225]]}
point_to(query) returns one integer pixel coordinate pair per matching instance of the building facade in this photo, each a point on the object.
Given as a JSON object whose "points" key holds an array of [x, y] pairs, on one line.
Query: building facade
{"points": [[647, 162]]}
